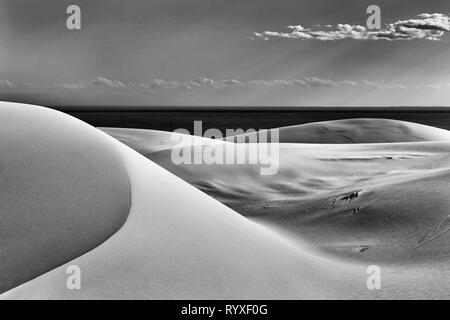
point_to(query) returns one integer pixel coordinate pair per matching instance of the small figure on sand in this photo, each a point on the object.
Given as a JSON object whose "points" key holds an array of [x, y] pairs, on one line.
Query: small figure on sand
{"points": [[350, 197]]}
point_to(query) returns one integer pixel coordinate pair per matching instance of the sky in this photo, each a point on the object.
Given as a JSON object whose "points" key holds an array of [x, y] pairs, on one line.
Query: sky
{"points": [[225, 52]]}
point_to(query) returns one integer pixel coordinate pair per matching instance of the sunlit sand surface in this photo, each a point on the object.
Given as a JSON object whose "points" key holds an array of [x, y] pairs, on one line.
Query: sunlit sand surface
{"points": [[226, 232]]}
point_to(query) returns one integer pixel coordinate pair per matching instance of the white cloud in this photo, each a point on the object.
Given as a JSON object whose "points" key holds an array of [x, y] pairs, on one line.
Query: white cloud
{"points": [[101, 85], [100, 81], [425, 26], [162, 84]]}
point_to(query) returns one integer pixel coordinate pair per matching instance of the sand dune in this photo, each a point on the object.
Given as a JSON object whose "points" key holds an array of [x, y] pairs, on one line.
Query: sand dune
{"points": [[399, 219], [400, 196], [180, 243], [384, 203], [359, 131], [311, 232], [150, 141], [63, 191]]}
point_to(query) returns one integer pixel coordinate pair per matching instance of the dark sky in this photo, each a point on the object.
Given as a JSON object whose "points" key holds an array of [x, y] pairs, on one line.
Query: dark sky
{"points": [[134, 42]]}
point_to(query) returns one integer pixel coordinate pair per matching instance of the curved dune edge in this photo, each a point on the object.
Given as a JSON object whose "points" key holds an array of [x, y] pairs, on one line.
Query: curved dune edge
{"points": [[147, 141], [63, 191], [179, 243], [360, 130], [399, 221], [374, 203]]}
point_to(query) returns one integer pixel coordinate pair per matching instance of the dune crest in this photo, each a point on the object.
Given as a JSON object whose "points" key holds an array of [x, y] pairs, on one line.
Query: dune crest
{"points": [[363, 130], [180, 243], [370, 202], [150, 141], [63, 191]]}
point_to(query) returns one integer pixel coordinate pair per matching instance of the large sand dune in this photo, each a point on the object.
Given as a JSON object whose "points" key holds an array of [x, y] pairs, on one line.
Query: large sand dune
{"points": [[381, 203], [400, 197], [178, 242], [63, 191]]}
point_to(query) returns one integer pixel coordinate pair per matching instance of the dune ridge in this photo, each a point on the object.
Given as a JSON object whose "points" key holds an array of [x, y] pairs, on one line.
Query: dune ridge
{"points": [[359, 130], [180, 243], [150, 141], [63, 191], [378, 202]]}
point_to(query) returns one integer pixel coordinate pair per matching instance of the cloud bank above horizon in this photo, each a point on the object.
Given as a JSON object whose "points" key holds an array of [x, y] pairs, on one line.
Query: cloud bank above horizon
{"points": [[155, 85], [202, 91]]}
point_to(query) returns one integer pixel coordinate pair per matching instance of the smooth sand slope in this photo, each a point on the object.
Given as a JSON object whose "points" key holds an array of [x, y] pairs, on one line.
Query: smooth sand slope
{"points": [[366, 203], [379, 202], [150, 141], [177, 241], [63, 191], [359, 131], [382, 203]]}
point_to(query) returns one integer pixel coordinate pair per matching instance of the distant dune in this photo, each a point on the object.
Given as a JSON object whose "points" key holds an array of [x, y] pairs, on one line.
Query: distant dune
{"points": [[395, 184], [378, 202], [400, 196], [308, 232], [360, 131]]}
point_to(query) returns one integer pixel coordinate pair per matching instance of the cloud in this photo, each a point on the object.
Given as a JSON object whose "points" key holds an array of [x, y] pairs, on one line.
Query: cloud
{"points": [[159, 85], [203, 80], [162, 84], [315, 82], [103, 86], [425, 26], [199, 91], [103, 82]]}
